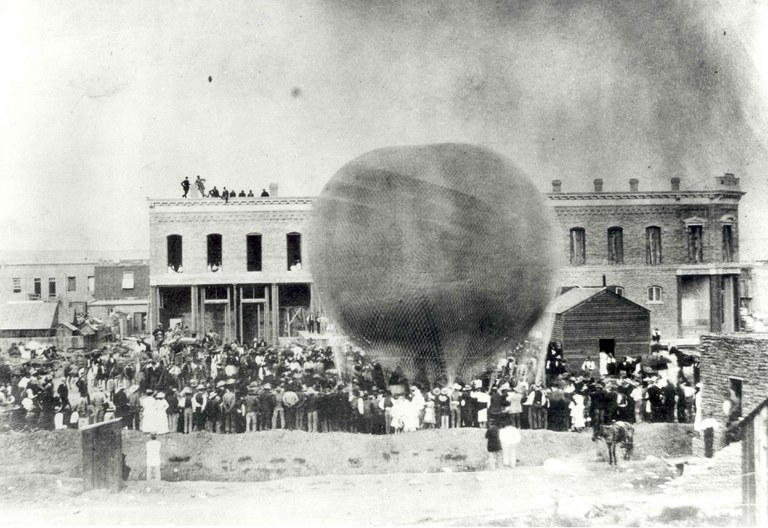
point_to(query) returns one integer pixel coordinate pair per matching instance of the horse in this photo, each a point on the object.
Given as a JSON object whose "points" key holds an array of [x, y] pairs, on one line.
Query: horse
{"points": [[614, 433]]}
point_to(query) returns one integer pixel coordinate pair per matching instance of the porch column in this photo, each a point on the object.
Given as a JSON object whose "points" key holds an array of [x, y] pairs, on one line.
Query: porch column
{"points": [[154, 308], [275, 315], [195, 305]]}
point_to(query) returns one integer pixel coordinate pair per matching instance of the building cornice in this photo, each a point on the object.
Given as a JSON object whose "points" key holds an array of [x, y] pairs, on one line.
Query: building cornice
{"points": [[648, 197], [218, 204]]}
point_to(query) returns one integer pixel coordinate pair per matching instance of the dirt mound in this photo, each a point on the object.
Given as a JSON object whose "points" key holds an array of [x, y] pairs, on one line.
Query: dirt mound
{"points": [[277, 454]]}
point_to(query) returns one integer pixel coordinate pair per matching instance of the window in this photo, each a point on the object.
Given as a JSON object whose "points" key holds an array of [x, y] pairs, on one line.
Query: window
{"points": [[174, 249], [655, 294], [695, 243], [91, 284], [727, 243], [38, 287], [17, 285], [578, 246], [253, 250], [71, 284], [51, 287], [214, 252], [653, 245], [293, 243], [615, 245], [127, 280]]}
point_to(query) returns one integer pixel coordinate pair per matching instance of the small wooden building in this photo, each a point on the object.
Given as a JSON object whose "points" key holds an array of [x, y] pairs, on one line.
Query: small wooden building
{"points": [[590, 320]]}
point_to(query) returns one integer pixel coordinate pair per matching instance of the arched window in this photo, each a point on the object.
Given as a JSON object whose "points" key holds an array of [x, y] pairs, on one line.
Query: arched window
{"points": [[174, 251], [253, 252], [655, 294], [615, 245], [293, 245], [578, 246], [653, 245], [214, 252]]}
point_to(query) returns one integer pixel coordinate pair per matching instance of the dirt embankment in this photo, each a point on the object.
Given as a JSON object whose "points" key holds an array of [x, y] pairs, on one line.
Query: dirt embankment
{"points": [[278, 454]]}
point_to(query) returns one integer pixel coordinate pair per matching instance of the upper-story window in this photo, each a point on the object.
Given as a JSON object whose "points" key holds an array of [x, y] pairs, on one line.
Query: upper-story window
{"points": [[214, 252], [92, 283], [578, 246], [52, 287], [71, 284], [17, 285], [127, 280], [695, 243], [655, 294], [728, 243], [653, 245], [174, 253], [253, 252], [38, 287], [615, 245], [293, 245]]}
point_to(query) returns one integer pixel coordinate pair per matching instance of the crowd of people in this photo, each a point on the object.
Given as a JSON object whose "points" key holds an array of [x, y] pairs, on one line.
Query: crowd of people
{"points": [[176, 383], [224, 194]]}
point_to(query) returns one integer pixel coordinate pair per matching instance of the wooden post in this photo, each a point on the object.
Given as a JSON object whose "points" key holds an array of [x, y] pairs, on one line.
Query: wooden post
{"points": [[103, 455], [759, 424]]}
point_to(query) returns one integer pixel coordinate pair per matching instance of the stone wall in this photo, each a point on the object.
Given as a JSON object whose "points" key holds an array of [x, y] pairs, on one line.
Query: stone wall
{"points": [[741, 356]]}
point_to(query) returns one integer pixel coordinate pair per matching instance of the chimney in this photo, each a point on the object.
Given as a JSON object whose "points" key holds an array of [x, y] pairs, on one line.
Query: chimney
{"points": [[556, 186], [273, 190], [598, 185], [633, 184], [675, 184], [729, 180]]}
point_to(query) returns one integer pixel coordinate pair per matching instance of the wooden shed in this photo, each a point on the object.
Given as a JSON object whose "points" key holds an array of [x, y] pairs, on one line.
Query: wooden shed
{"points": [[590, 320]]}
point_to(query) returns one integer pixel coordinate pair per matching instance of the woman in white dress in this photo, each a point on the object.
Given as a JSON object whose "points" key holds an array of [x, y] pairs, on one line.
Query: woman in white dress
{"points": [[160, 418], [578, 422]]}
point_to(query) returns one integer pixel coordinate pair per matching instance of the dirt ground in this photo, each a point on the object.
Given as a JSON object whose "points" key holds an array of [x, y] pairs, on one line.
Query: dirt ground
{"points": [[428, 477]]}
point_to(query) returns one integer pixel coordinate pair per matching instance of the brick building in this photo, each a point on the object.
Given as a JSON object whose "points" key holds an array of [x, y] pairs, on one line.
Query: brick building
{"points": [[238, 267], [122, 291], [738, 362], [68, 284], [674, 252]]}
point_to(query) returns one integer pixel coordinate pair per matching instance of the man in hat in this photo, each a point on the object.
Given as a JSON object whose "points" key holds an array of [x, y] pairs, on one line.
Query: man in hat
{"points": [[251, 408], [172, 412], [310, 406], [278, 409], [228, 402], [199, 402]]}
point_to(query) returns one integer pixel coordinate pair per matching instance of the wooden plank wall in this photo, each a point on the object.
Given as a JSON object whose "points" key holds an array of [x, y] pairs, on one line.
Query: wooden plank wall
{"points": [[604, 316]]}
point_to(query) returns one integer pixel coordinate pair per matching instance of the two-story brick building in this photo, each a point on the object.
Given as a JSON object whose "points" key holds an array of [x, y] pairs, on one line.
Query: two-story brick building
{"points": [[68, 284], [674, 252], [239, 268]]}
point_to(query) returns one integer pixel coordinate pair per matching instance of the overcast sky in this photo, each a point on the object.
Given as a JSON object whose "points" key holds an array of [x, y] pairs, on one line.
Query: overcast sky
{"points": [[105, 103]]}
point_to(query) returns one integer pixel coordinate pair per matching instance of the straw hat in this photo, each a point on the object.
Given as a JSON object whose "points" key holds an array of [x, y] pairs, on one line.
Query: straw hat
{"points": [[160, 395], [220, 384]]}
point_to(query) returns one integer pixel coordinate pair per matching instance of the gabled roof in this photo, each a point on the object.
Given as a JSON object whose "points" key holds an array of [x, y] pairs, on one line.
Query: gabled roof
{"points": [[576, 296], [572, 298], [28, 315]]}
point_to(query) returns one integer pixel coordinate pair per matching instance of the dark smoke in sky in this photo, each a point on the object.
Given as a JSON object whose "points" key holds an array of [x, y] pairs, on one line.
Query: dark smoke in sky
{"points": [[575, 89]]}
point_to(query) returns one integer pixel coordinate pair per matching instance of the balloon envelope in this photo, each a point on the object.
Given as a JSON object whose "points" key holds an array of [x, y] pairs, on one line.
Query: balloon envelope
{"points": [[433, 257]]}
